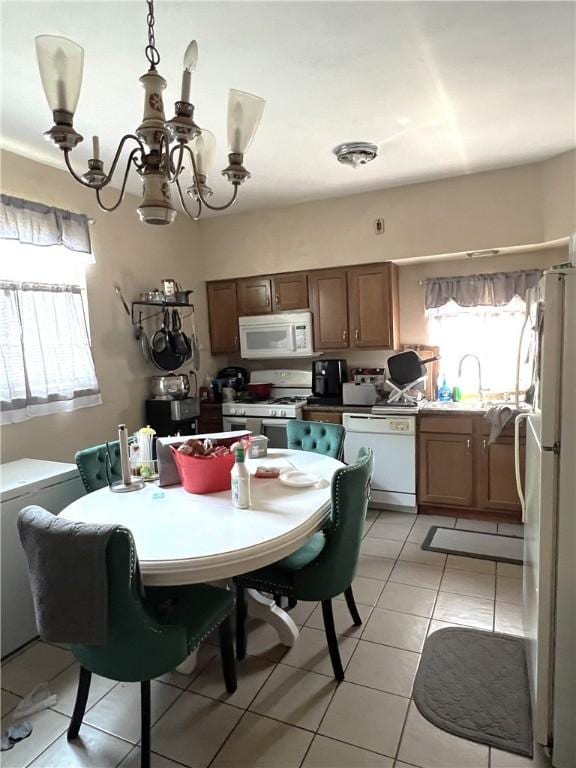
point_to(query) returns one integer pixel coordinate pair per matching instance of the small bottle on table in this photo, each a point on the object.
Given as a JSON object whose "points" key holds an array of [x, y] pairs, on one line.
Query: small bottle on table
{"points": [[240, 480]]}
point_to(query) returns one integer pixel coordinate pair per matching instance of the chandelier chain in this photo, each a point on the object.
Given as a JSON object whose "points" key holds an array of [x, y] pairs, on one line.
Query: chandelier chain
{"points": [[151, 51]]}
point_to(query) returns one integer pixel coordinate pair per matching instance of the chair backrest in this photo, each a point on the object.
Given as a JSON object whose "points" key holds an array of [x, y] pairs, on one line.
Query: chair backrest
{"points": [[335, 568], [137, 646], [316, 436], [91, 463]]}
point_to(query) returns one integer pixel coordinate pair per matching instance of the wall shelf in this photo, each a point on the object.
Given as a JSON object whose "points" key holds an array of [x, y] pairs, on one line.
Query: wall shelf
{"points": [[161, 307]]}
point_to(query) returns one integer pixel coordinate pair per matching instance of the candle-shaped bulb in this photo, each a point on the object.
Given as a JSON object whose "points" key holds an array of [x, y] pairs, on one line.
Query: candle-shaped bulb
{"points": [[189, 64], [95, 148], [191, 56]]}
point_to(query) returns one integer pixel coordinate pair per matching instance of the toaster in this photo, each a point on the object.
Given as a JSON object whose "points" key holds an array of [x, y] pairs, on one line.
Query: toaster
{"points": [[359, 394]]}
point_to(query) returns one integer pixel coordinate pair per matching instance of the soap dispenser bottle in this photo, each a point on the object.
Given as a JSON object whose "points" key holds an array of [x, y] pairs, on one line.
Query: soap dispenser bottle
{"points": [[444, 393]]}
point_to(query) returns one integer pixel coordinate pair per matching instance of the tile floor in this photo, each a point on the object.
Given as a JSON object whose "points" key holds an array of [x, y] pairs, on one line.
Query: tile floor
{"points": [[288, 711]]}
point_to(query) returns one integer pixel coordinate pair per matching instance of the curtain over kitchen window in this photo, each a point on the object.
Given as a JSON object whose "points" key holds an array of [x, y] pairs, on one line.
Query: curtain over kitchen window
{"points": [[489, 290], [482, 315], [46, 363]]}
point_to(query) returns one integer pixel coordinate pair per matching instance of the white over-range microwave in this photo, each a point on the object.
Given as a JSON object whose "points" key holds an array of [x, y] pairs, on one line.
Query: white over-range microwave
{"points": [[276, 336]]}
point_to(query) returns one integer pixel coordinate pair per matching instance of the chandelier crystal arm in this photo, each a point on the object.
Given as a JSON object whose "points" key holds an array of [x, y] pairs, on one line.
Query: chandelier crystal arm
{"points": [[131, 159], [140, 148], [199, 188], [185, 208]]}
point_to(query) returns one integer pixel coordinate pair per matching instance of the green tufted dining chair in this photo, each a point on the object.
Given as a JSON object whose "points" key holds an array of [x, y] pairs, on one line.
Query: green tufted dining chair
{"points": [[91, 463], [326, 565], [149, 634], [316, 436]]}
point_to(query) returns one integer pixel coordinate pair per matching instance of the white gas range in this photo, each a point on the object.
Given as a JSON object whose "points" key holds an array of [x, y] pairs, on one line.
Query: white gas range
{"points": [[269, 417]]}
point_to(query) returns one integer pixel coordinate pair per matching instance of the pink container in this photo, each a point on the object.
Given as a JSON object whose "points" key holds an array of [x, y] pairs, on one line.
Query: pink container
{"points": [[204, 475]]}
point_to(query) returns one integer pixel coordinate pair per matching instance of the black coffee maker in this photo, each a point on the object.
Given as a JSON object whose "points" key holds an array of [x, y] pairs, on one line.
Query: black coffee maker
{"points": [[327, 379]]}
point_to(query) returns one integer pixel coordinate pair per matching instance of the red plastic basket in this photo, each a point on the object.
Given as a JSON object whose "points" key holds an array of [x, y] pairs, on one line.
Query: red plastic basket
{"points": [[204, 475]]}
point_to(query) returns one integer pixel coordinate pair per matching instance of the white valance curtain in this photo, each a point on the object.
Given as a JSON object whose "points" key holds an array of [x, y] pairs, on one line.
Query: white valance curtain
{"points": [[46, 363], [488, 290], [42, 225]]}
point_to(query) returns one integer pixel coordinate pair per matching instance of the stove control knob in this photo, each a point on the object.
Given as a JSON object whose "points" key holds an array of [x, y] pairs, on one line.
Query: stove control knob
{"points": [[233, 411], [282, 413], [242, 412], [272, 412]]}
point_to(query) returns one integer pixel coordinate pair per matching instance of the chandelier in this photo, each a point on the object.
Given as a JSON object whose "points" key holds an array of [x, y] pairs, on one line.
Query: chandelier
{"points": [[160, 147]]}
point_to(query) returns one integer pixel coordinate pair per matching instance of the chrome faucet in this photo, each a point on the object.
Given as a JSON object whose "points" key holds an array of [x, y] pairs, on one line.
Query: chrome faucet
{"points": [[479, 372]]}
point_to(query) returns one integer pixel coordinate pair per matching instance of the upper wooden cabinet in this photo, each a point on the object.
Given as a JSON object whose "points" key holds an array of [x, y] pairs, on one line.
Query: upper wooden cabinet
{"points": [[254, 296], [223, 317], [352, 307], [355, 307], [373, 306], [290, 291], [329, 304]]}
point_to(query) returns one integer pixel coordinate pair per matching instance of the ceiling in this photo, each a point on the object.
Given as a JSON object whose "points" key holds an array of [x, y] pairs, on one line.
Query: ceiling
{"points": [[444, 88]]}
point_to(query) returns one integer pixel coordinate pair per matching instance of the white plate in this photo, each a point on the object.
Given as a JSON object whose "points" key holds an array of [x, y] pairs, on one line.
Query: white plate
{"points": [[296, 479]]}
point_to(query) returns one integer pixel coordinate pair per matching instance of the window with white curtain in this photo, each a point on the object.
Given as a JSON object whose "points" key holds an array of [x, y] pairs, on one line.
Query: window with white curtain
{"points": [[492, 333], [46, 363]]}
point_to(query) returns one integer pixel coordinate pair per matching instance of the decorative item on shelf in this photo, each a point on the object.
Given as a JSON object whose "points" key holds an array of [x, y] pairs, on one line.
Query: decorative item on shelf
{"points": [[160, 145], [153, 296]]}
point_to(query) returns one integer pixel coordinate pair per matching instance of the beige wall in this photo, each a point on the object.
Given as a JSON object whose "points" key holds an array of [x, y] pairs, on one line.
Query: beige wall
{"points": [[483, 210], [559, 200], [128, 253], [509, 207]]}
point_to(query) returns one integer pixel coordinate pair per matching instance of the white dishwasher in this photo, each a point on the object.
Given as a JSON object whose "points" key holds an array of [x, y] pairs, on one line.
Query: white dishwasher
{"points": [[393, 440]]}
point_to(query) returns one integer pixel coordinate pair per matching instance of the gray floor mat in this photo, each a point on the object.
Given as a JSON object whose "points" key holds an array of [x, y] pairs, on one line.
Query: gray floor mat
{"points": [[484, 546], [474, 684]]}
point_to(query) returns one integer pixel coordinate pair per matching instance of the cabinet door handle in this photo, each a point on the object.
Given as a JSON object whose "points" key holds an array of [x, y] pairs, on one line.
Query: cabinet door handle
{"points": [[235, 341], [277, 299], [468, 443], [484, 443], [267, 301], [356, 334], [344, 335]]}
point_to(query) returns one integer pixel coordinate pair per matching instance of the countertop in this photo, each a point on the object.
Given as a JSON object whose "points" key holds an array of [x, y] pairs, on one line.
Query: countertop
{"points": [[465, 407], [339, 408]]}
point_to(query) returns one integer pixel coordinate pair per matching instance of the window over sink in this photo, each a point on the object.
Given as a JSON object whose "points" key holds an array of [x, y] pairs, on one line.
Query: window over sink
{"points": [[492, 333]]}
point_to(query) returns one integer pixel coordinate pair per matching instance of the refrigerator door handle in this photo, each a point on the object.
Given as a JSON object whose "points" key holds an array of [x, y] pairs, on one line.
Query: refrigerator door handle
{"points": [[517, 421]]}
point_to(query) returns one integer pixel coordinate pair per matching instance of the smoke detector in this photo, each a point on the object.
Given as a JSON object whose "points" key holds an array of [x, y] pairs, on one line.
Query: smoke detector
{"points": [[355, 153]]}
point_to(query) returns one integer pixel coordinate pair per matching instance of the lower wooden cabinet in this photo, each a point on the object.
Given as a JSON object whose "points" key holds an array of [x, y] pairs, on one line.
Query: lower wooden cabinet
{"points": [[460, 469], [446, 469], [210, 419], [328, 417], [496, 480]]}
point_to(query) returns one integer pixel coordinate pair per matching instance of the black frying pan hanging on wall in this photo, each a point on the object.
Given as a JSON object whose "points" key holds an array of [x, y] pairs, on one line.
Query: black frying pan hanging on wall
{"points": [[407, 366], [162, 351]]}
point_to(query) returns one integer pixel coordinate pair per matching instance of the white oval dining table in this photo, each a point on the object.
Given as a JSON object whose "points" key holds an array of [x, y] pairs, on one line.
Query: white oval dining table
{"points": [[184, 538]]}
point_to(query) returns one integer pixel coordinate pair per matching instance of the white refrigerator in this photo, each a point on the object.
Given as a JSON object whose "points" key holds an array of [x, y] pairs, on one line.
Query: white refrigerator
{"points": [[549, 514]]}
